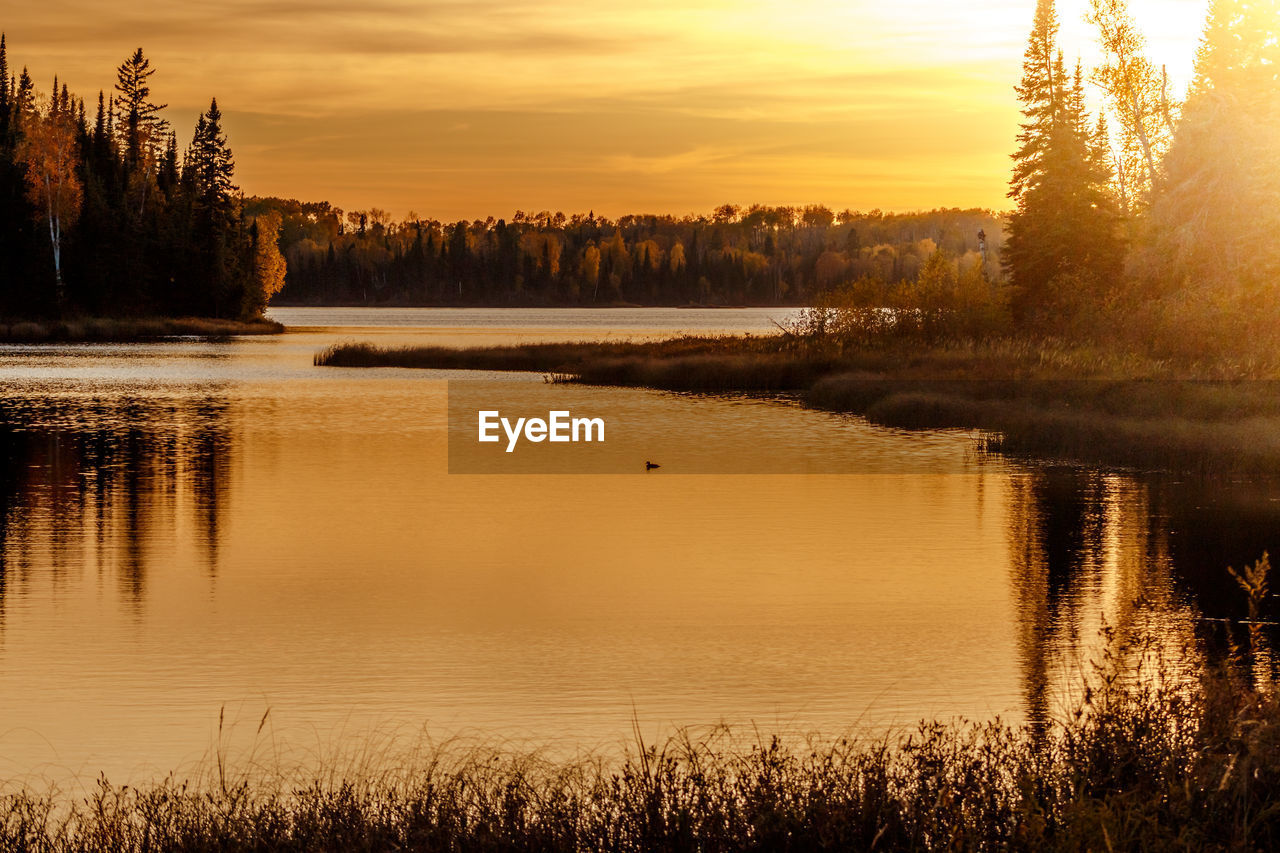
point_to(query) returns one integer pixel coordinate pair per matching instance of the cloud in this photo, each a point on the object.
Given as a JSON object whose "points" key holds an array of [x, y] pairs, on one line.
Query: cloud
{"points": [[469, 107], [457, 163], [698, 158], [268, 33]]}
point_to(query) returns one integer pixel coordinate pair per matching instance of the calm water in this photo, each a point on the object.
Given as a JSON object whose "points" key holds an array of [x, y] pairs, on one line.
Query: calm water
{"points": [[187, 527]]}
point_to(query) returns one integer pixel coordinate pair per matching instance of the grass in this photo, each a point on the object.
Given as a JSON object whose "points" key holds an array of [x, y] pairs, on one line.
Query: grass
{"points": [[124, 329], [1159, 761], [686, 364], [1192, 426], [1034, 398], [740, 356]]}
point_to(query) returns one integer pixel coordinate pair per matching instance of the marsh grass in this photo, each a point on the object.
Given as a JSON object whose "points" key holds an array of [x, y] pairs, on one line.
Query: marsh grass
{"points": [[1036, 398], [728, 362], [1149, 759], [1206, 428], [126, 329]]}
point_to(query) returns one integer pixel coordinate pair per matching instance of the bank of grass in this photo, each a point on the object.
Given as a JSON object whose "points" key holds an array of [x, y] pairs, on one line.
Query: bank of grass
{"points": [[686, 363], [1041, 398], [1156, 762], [1209, 428], [740, 358], [127, 329]]}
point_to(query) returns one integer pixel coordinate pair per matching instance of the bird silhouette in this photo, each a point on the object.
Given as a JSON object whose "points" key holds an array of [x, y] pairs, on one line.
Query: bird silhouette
{"points": [[649, 466]]}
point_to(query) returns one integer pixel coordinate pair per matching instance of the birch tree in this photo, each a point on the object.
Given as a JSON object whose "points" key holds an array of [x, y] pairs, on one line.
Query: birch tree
{"points": [[51, 153], [1139, 98]]}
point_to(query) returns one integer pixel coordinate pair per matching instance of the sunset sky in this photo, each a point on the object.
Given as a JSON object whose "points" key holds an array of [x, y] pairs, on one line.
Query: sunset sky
{"points": [[467, 109]]}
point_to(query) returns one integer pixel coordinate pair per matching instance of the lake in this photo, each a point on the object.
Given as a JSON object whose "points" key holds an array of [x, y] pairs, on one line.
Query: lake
{"points": [[192, 530]]}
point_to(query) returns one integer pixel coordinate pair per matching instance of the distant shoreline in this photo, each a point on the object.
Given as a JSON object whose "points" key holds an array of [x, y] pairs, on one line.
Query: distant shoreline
{"points": [[129, 329], [540, 306]]}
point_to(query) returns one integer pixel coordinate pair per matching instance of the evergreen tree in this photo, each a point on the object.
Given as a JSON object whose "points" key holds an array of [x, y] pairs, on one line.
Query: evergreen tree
{"points": [[140, 125], [100, 123], [130, 231], [24, 96], [9, 181], [1063, 250], [1040, 99], [21, 272], [5, 97], [211, 164], [169, 168], [208, 174]]}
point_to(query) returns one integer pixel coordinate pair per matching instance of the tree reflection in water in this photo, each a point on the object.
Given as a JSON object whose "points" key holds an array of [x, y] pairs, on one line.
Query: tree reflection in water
{"points": [[105, 484]]}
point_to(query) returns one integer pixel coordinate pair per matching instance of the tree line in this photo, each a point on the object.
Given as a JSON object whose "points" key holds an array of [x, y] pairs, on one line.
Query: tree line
{"points": [[101, 215], [735, 255], [1151, 216]]}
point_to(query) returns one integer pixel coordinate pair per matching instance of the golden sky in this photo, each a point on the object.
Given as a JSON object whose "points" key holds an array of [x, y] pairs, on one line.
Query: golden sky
{"points": [[470, 108]]}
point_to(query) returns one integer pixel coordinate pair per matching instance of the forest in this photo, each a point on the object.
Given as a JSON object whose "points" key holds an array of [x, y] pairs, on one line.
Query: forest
{"points": [[758, 255], [102, 216], [1136, 213]]}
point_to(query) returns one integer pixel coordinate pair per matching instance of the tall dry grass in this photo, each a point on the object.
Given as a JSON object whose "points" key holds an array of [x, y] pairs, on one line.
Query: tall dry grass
{"points": [[1040, 398], [1150, 759]]}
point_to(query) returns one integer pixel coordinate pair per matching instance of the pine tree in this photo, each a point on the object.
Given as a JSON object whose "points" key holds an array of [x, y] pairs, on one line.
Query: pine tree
{"points": [[140, 126], [100, 122], [1062, 249], [24, 96], [215, 272], [1039, 95], [168, 176], [211, 165], [11, 200], [5, 96]]}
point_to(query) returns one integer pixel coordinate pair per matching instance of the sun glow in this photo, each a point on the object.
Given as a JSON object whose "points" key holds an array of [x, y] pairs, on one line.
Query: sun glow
{"points": [[459, 110]]}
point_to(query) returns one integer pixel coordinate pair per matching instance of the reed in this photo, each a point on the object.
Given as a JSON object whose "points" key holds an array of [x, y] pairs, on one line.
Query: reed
{"points": [[1205, 427], [543, 357], [1150, 759]]}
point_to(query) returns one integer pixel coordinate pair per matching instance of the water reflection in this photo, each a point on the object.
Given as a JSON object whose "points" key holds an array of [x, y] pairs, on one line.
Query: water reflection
{"points": [[250, 529], [106, 485], [1097, 555]]}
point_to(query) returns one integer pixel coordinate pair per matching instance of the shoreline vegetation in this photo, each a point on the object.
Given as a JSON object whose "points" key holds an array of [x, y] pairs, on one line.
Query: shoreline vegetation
{"points": [[479, 306], [1151, 757], [129, 329], [1046, 399], [110, 231]]}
